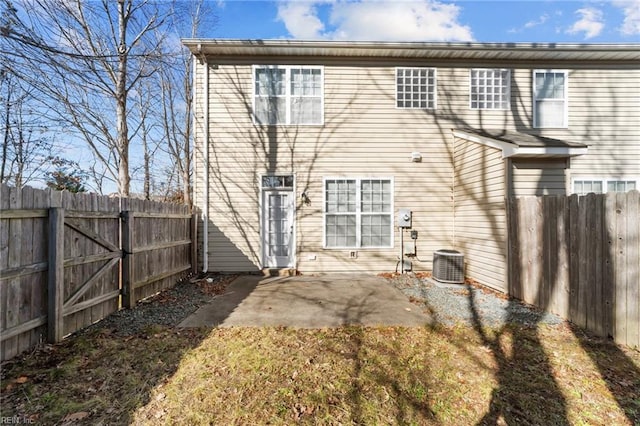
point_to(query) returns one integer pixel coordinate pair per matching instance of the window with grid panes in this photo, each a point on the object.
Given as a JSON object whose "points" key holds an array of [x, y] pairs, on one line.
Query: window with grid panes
{"points": [[288, 95], [599, 186], [358, 213], [489, 89], [416, 88], [550, 99]]}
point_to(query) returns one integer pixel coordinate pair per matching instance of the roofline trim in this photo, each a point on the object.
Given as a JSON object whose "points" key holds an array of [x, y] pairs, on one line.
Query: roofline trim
{"points": [[627, 53], [408, 44]]}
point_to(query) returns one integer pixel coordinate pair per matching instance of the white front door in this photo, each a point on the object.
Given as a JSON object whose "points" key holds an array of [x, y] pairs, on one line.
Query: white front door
{"points": [[277, 228]]}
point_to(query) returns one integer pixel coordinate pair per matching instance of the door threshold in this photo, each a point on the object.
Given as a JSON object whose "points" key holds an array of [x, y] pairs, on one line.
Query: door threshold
{"points": [[279, 272]]}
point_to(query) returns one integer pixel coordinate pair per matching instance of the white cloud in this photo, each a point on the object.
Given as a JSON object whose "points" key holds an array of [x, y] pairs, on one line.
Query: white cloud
{"points": [[541, 20], [416, 20], [301, 19], [631, 9], [591, 22], [530, 24]]}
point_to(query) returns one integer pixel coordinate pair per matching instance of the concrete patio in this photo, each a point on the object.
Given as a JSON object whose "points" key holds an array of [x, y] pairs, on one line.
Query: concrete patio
{"points": [[330, 300]]}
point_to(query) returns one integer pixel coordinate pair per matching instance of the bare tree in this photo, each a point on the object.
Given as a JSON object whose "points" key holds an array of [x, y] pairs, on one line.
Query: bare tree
{"points": [[25, 147], [176, 83], [114, 74], [88, 57]]}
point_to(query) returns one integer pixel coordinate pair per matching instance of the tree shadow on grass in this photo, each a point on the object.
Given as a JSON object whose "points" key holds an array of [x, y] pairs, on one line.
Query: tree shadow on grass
{"points": [[620, 374], [526, 387]]}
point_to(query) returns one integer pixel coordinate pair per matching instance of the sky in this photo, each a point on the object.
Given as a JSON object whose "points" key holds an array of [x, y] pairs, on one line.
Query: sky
{"points": [[613, 21]]}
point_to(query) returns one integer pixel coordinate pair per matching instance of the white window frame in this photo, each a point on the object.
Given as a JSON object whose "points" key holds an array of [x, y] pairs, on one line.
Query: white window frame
{"points": [[435, 88], [605, 181], [507, 95], [565, 118], [288, 96], [358, 212]]}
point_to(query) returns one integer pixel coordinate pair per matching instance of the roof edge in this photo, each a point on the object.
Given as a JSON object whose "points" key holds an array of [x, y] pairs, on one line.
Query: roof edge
{"points": [[194, 42], [515, 150], [234, 48]]}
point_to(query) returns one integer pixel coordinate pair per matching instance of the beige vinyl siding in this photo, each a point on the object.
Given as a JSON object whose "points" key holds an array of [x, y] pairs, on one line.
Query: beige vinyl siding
{"points": [[536, 177], [605, 106], [480, 221], [365, 135]]}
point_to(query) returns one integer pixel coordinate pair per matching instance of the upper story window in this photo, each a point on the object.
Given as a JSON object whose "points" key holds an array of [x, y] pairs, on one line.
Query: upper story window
{"points": [[416, 88], [583, 186], [550, 99], [489, 88], [288, 95]]}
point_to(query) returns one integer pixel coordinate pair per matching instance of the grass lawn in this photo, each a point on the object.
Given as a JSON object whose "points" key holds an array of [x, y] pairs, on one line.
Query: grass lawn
{"points": [[351, 375]]}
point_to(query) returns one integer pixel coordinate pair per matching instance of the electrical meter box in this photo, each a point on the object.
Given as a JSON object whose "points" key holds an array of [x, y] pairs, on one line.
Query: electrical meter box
{"points": [[404, 218]]}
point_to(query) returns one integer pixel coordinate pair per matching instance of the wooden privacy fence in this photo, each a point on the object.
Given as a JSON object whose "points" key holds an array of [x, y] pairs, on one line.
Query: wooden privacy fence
{"points": [[69, 260], [579, 257]]}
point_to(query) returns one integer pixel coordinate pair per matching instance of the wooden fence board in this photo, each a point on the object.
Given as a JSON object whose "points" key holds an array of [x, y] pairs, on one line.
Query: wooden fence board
{"points": [[583, 268], [13, 285], [609, 272], [633, 269], [26, 258], [548, 254], [39, 246], [621, 264], [597, 321], [56, 275], [574, 261], [562, 279]]}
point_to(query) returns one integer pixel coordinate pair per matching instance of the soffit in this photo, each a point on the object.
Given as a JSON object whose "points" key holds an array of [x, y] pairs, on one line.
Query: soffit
{"points": [[477, 52]]}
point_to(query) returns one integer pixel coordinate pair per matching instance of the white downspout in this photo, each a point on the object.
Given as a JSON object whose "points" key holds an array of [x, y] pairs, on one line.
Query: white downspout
{"points": [[205, 210]]}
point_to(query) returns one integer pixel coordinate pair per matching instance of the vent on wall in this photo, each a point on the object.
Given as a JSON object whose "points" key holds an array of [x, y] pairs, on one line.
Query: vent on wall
{"points": [[448, 266]]}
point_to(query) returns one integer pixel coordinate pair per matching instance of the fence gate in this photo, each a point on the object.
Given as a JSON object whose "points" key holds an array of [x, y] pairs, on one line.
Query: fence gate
{"points": [[85, 254]]}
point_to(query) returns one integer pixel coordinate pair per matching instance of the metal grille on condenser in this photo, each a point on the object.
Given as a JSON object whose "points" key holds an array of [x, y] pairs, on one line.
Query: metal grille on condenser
{"points": [[448, 266]]}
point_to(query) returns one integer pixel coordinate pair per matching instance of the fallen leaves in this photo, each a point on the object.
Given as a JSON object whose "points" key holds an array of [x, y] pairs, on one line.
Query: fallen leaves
{"points": [[214, 286], [19, 381], [73, 417], [300, 410]]}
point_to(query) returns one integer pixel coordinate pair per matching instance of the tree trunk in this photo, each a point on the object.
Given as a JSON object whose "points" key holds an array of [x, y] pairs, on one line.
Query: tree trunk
{"points": [[186, 170], [5, 142], [147, 161], [122, 139]]}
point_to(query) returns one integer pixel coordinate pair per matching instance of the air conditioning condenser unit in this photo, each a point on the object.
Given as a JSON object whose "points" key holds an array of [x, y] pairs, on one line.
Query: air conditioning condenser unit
{"points": [[448, 266]]}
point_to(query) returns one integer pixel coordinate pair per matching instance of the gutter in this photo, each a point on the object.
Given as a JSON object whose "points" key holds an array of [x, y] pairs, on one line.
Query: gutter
{"points": [[205, 163]]}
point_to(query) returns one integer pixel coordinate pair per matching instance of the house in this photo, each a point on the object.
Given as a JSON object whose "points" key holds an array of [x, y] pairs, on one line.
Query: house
{"points": [[306, 151]]}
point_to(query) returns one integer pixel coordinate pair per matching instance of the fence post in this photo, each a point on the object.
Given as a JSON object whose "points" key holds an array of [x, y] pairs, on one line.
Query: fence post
{"points": [[55, 315], [194, 243], [128, 291]]}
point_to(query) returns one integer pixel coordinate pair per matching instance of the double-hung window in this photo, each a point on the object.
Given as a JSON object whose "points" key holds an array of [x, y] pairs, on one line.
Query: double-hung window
{"points": [[489, 88], [583, 186], [416, 88], [358, 213], [550, 99], [288, 95]]}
